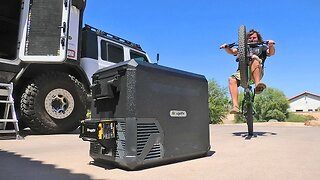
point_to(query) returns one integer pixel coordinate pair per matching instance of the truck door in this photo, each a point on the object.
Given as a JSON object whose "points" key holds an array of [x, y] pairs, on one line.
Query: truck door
{"points": [[45, 31]]}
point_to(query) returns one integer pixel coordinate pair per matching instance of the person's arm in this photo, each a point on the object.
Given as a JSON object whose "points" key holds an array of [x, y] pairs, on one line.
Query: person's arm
{"points": [[271, 50], [229, 50]]}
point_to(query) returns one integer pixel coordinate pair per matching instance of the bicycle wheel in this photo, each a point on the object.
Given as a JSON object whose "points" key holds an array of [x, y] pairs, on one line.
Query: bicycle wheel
{"points": [[242, 55], [249, 118]]}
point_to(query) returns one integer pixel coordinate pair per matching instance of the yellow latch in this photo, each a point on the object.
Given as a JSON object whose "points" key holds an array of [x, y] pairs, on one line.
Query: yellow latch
{"points": [[100, 131]]}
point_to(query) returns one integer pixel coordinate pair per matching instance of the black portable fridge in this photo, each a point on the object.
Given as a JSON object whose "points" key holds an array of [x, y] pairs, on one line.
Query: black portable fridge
{"points": [[146, 114]]}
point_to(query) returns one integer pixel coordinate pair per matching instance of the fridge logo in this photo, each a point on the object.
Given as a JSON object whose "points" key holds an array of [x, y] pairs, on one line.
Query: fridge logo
{"points": [[91, 130], [177, 113]]}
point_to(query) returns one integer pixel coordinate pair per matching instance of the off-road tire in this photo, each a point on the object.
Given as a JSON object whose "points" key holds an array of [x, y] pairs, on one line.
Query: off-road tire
{"points": [[249, 118], [33, 108], [242, 53], [17, 95]]}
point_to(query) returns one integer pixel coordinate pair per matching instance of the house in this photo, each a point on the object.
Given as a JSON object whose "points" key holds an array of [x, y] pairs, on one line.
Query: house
{"points": [[305, 102]]}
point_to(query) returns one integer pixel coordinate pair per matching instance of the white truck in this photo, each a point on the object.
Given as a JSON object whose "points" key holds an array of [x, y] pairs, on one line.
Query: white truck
{"points": [[50, 58]]}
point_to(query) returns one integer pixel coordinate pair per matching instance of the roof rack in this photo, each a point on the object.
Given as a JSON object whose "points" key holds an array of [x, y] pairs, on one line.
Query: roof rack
{"points": [[113, 37]]}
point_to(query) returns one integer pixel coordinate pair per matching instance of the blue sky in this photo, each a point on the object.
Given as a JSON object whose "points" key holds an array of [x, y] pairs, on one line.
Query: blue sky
{"points": [[188, 33]]}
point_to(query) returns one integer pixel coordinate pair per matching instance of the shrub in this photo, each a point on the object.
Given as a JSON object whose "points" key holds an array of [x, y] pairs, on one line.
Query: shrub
{"points": [[293, 117]]}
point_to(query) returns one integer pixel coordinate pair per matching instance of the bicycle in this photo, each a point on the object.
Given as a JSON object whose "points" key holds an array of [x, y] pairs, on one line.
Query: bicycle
{"points": [[244, 58]]}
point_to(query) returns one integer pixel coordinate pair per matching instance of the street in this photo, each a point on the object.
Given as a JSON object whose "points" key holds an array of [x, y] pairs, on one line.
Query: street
{"points": [[275, 152]]}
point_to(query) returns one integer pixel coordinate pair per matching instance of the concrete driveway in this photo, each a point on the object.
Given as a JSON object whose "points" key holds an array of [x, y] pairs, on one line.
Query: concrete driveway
{"points": [[277, 151]]}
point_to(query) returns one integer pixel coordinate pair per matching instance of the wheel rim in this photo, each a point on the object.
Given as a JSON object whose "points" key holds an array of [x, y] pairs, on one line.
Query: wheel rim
{"points": [[59, 103]]}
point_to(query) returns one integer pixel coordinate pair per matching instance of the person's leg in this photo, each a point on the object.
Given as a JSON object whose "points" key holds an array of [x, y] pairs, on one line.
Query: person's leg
{"points": [[256, 71], [233, 88]]}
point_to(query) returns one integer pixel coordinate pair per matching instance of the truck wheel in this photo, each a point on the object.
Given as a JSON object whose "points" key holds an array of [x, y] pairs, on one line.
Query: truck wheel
{"points": [[17, 94], [54, 103]]}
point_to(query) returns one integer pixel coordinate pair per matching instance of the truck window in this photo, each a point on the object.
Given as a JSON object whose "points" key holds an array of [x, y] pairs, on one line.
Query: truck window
{"points": [[138, 56], [111, 52]]}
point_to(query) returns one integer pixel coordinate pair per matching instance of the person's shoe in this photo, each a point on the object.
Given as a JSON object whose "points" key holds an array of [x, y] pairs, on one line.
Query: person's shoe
{"points": [[235, 110], [260, 87]]}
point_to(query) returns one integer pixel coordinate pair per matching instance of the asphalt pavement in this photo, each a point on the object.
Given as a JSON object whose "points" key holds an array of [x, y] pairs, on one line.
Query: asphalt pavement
{"points": [[277, 151]]}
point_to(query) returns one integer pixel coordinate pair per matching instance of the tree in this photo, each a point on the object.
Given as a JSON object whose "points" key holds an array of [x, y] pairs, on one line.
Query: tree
{"points": [[218, 102], [271, 104]]}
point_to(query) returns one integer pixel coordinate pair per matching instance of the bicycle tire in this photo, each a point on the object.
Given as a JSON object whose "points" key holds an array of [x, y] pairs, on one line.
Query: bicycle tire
{"points": [[249, 118], [242, 55], [247, 111]]}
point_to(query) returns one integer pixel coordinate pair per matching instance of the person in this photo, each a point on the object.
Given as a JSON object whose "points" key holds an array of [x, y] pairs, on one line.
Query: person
{"points": [[258, 57]]}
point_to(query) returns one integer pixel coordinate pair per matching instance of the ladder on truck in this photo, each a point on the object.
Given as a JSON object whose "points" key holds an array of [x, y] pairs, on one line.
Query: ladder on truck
{"points": [[6, 98]]}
